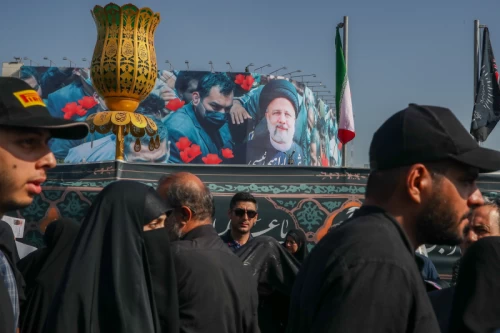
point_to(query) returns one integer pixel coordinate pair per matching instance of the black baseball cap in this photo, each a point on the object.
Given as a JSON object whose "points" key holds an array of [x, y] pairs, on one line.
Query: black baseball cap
{"points": [[420, 134], [20, 106]]}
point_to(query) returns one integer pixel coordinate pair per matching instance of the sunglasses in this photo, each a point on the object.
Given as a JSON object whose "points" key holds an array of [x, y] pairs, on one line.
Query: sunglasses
{"points": [[241, 212]]}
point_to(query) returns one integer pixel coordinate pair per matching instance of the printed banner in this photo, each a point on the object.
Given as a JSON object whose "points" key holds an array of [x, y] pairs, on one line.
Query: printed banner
{"points": [[202, 118]]}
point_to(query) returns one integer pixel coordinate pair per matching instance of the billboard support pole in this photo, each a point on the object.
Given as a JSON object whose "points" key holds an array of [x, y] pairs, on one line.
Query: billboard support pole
{"points": [[476, 57], [345, 49]]}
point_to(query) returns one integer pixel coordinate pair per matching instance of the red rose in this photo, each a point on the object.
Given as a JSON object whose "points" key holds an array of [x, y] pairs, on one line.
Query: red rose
{"points": [[175, 104], [183, 143], [227, 153], [185, 156], [72, 109], [240, 78], [246, 82], [194, 151], [211, 159], [87, 102], [190, 153]]}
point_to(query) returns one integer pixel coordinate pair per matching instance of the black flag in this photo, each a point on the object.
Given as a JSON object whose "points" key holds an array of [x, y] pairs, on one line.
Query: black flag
{"points": [[487, 105]]}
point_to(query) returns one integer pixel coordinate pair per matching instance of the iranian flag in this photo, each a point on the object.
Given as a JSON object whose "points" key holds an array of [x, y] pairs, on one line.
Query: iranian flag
{"points": [[343, 101]]}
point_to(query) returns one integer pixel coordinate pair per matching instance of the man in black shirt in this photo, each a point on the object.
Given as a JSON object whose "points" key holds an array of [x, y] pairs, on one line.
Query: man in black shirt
{"points": [[243, 215], [362, 276], [216, 292]]}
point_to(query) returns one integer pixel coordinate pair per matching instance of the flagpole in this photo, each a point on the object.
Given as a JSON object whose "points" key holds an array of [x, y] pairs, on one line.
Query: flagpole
{"points": [[476, 57], [345, 49]]}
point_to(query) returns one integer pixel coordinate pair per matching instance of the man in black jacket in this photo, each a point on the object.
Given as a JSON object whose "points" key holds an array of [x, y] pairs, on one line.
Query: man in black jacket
{"points": [[362, 276], [216, 293]]}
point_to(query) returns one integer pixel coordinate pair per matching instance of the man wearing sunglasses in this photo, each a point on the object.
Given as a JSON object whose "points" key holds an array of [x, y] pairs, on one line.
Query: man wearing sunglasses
{"points": [[243, 215]]}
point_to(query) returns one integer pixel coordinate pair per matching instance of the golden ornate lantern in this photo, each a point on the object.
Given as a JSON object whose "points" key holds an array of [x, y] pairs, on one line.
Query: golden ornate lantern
{"points": [[124, 71]]}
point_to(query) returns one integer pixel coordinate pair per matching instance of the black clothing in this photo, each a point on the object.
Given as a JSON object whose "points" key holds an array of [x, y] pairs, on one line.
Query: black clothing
{"points": [[216, 293], [476, 307], [6, 313], [9, 249], [260, 151], [442, 301], [161, 266], [274, 269], [108, 284], [43, 270], [300, 238], [362, 277]]}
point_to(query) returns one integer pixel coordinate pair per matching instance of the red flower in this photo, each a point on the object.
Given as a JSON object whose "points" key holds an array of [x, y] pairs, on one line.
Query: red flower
{"points": [[190, 153], [72, 109], [175, 104], [227, 153], [194, 151], [240, 78], [87, 102], [245, 82], [183, 143], [248, 83], [185, 156], [211, 159]]}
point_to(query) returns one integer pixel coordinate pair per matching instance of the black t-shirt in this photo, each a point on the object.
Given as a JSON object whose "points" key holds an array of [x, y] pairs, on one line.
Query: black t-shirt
{"points": [[362, 277]]}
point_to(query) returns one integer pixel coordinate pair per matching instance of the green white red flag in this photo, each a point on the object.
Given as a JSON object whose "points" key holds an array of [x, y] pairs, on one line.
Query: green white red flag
{"points": [[345, 116]]}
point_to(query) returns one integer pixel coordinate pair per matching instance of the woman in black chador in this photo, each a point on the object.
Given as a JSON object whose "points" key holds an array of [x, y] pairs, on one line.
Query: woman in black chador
{"points": [[42, 270], [120, 276]]}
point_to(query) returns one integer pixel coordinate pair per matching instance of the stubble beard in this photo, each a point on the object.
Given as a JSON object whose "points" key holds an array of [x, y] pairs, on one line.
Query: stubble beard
{"points": [[437, 223]]}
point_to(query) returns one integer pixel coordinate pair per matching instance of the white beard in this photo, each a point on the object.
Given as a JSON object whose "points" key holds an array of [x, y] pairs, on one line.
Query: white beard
{"points": [[286, 139]]}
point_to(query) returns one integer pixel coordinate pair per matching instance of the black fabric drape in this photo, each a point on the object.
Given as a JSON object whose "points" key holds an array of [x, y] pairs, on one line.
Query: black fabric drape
{"points": [[43, 270], [476, 308], [9, 249], [108, 285], [274, 270], [163, 278], [6, 313], [300, 238]]}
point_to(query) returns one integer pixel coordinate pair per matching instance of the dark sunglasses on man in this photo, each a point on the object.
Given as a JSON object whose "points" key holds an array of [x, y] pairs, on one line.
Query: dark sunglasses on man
{"points": [[240, 212]]}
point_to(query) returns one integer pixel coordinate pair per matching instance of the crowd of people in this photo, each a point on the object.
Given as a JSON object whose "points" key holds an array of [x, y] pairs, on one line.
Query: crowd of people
{"points": [[148, 259]]}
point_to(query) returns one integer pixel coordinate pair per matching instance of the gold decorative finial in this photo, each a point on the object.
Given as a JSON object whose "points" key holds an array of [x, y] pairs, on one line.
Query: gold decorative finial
{"points": [[124, 71]]}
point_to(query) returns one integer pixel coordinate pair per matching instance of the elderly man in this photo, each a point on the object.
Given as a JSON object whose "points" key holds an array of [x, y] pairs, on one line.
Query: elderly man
{"points": [[362, 276], [216, 292], [26, 127], [484, 222], [280, 104]]}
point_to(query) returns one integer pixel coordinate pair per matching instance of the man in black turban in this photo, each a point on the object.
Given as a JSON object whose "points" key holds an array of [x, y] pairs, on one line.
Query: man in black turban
{"points": [[279, 104]]}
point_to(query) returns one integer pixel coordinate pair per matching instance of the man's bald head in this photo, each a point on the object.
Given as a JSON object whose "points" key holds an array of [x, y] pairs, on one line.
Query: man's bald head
{"points": [[185, 189]]}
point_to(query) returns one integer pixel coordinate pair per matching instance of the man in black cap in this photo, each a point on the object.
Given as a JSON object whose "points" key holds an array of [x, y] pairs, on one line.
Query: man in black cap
{"points": [[362, 276], [25, 129], [279, 104]]}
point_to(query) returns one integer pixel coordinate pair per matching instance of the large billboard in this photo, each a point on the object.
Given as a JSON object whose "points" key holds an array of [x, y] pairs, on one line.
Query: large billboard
{"points": [[203, 118]]}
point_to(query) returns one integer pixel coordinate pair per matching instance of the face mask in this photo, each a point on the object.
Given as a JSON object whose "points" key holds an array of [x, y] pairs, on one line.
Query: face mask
{"points": [[212, 119], [215, 119]]}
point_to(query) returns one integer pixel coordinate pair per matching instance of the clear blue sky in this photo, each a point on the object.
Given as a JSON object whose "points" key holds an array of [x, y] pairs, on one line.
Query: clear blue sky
{"points": [[399, 51]]}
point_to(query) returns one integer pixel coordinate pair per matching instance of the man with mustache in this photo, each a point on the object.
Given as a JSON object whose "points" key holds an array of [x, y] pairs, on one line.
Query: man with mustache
{"points": [[203, 121], [280, 103], [26, 127], [362, 276], [216, 292]]}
